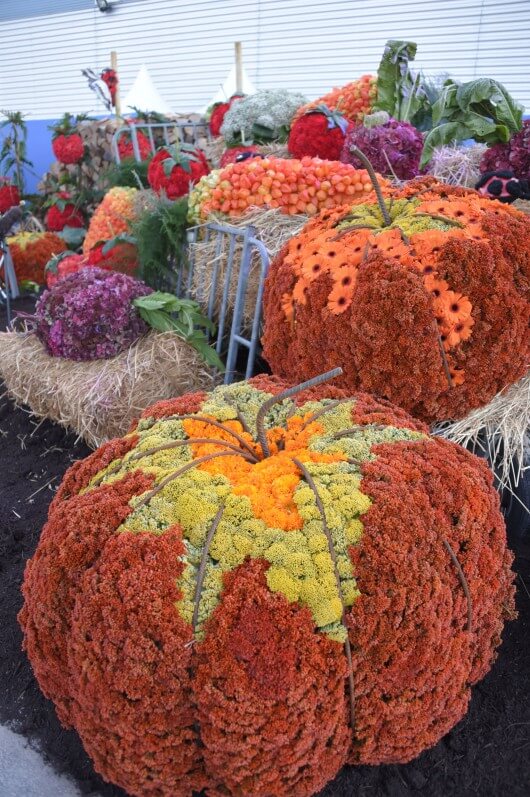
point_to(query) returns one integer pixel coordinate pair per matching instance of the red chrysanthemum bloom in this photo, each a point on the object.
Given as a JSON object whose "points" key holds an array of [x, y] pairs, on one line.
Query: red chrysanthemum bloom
{"points": [[9, 196], [68, 149], [58, 218], [122, 257], [126, 149], [71, 263], [218, 114], [312, 135], [177, 182]]}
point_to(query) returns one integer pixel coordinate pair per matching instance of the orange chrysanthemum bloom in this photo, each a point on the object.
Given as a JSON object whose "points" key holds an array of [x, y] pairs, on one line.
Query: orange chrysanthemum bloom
{"points": [[299, 292], [458, 375], [456, 307], [314, 266], [435, 286], [340, 298]]}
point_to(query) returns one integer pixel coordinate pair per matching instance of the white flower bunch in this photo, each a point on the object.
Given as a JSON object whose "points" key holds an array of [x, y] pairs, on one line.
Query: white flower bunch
{"points": [[264, 116]]}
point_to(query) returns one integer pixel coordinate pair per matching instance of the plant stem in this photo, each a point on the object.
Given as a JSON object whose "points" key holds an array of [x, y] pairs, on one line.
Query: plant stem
{"points": [[464, 583], [202, 567], [188, 466], [285, 394], [309, 479], [375, 183]]}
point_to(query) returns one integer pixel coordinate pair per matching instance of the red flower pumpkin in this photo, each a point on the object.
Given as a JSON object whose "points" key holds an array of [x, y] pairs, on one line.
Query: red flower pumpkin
{"points": [[252, 589], [428, 308], [174, 169]]}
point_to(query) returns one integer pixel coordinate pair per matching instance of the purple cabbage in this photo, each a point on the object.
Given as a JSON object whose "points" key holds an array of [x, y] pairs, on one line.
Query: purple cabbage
{"points": [[401, 142], [89, 315], [513, 156]]}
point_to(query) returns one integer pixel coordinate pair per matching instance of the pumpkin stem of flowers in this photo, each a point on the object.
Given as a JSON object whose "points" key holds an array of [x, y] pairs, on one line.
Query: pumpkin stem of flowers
{"points": [[377, 188], [376, 427], [285, 394], [463, 581], [327, 408], [211, 422], [347, 647], [202, 567], [188, 466], [439, 217]]}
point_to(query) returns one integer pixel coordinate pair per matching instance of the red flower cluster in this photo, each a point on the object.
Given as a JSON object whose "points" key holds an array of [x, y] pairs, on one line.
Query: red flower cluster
{"points": [[70, 264], [31, 252], [177, 182], [218, 115], [68, 149], [122, 257], [261, 704], [126, 149], [312, 135], [9, 196], [230, 155], [69, 216], [110, 77]]}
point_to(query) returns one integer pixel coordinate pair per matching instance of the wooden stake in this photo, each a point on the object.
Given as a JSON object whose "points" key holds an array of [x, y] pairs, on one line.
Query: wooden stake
{"points": [[114, 65], [239, 68]]}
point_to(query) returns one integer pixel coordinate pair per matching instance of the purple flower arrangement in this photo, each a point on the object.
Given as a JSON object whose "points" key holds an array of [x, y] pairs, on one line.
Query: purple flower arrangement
{"points": [[513, 156], [90, 316], [400, 142]]}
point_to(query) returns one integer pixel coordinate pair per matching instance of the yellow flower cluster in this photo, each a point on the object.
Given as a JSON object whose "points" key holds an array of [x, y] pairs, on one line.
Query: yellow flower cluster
{"points": [[269, 511]]}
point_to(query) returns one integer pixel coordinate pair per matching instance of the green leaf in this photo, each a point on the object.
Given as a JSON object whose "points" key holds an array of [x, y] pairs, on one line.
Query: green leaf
{"points": [[186, 165], [73, 236], [157, 319], [168, 164], [392, 74], [161, 300], [53, 264], [506, 111], [207, 352], [446, 102], [442, 134], [263, 133], [122, 238]]}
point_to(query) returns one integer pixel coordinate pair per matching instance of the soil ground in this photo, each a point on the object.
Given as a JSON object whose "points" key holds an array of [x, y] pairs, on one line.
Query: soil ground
{"points": [[487, 754]]}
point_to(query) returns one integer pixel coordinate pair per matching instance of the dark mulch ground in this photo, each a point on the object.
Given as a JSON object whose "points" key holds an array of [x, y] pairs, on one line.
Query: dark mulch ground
{"points": [[487, 754]]}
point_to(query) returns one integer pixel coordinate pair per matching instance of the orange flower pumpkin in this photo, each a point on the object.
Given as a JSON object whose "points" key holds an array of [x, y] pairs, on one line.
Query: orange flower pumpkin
{"points": [[255, 587], [424, 300], [31, 251]]}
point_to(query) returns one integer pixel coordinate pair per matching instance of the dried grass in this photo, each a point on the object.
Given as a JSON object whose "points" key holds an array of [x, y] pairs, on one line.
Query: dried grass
{"points": [[457, 165], [99, 399], [272, 227], [500, 429]]}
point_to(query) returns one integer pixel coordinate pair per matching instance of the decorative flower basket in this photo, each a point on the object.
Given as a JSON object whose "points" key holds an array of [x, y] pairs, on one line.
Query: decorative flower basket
{"points": [[258, 585]]}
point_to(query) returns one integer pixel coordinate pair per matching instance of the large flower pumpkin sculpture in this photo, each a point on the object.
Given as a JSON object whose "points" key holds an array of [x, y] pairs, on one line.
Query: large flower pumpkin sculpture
{"points": [[422, 297], [260, 584]]}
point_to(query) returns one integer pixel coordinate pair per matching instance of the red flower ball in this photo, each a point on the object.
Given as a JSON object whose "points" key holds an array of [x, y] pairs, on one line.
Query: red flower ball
{"points": [[57, 219], [230, 155], [68, 149], [177, 183], [69, 264], [122, 257], [126, 149], [218, 114], [9, 196], [311, 135]]}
